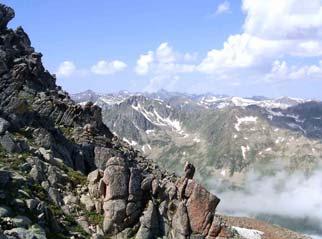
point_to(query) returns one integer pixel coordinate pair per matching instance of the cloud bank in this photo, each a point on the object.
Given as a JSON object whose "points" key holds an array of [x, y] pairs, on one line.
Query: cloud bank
{"points": [[292, 200]]}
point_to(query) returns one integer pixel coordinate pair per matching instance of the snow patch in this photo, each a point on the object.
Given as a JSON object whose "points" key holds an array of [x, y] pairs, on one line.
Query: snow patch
{"points": [[132, 142], [244, 150], [247, 119], [249, 233]]}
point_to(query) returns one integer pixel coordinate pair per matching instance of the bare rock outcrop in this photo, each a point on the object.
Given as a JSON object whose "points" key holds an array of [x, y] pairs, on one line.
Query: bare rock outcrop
{"points": [[157, 207]]}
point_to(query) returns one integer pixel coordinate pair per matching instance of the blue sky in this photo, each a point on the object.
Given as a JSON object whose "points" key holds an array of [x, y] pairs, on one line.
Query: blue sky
{"points": [[235, 47]]}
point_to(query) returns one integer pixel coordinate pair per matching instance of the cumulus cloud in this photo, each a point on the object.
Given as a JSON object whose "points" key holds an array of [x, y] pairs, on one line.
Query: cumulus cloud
{"points": [[240, 51], [288, 19], [108, 67], [222, 8], [143, 63], [66, 69], [272, 30], [164, 65], [282, 71]]}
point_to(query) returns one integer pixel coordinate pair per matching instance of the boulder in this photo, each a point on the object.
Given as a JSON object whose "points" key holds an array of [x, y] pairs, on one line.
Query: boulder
{"points": [[149, 223], [88, 202], [114, 215], [9, 144], [200, 205], [34, 232], [21, 221], [4, 125], [116, 179], [5, 211], [180, 221], [5, 178]]}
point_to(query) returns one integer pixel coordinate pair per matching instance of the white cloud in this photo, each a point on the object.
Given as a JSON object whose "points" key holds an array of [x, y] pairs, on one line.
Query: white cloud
{"points": [[108, 68], [143, 63], [287, 19], [224, 7], [240, 51], [163, 65], [273, 30], [281, 71], [66, 69]]}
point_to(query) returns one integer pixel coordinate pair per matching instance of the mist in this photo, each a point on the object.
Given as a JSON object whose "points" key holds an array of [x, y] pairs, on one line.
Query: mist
{"points": [[289, 200]]}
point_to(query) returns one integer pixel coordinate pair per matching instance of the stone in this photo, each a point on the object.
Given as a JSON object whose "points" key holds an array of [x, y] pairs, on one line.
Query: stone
{"points": [[135, 182], [70, 199], [199, 205], [180, 221], [149, 223], [9, 144], [102, 155], [114, 215], [147, 183], [95, 176], [88, 202], [37, 174], [55, 196], [189, 170], [32, 204], [5, 211], [84, 224], [34, 232], [116, 179], [4, 125], [5, 178], [21, 221], [215, 228], [47, 154]]}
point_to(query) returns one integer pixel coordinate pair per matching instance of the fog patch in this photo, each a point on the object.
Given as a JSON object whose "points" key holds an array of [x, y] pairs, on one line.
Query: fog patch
{"points": [[290, 200]]}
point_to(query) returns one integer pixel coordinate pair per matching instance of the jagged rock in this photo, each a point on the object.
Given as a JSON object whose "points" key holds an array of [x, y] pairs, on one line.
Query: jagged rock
{"points": [[94, 176], [55, 196], [200, 205], [147, 183], [5, 178], [116, 178], [5, 211], [82, 221], [135, 184], [32, 204], [180, 222], [21, 221], [9, 144], [189, 170], [37, 174], [4, 124], [34, 232], [70, 199], [149, 223], [115, 213], [47, 155], [88, 202], [6, 14], [215, 228]]}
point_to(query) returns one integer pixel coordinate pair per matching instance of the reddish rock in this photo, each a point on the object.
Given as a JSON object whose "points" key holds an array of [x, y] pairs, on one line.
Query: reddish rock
{"points": [[199, 205]]}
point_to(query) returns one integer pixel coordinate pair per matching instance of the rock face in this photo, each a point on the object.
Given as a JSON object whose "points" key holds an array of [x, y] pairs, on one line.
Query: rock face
{"points": [[156, 206]]}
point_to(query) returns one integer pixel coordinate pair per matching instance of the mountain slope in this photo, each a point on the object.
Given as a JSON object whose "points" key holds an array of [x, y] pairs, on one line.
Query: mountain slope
{"points": [[224, 135]]}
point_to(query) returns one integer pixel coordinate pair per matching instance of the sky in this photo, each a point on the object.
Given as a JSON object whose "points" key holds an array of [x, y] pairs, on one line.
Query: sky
{"points": [[235, 47]]}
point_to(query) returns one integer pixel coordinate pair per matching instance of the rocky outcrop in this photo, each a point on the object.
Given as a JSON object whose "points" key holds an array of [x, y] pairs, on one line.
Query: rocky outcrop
{"points": [[154, 206]]}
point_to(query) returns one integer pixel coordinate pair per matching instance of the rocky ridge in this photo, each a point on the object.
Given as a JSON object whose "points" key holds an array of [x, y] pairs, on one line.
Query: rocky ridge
{"points": [[63, 174]]}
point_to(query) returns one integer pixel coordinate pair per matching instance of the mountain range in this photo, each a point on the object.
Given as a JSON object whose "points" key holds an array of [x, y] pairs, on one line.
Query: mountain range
{"points": [[225, 136]]}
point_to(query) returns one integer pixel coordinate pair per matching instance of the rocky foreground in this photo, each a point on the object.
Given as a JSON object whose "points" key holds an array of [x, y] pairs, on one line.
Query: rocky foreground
{"points": [[63, 174]]}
